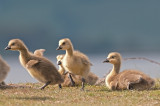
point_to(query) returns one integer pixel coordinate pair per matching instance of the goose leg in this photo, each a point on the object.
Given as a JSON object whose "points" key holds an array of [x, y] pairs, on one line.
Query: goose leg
{"points": [[71, 79], [83, 82], [46, 84], [60, 86], [130, 87], [2, 83]]}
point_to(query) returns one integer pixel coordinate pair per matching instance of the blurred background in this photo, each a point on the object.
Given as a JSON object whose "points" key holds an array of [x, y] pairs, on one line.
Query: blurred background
{"points": [[95, 27]]}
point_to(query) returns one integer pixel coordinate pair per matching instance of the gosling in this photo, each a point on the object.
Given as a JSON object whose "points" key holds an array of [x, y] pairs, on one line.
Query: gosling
{"points": [[38, 67], [61, 69], [4, 69], [91, 78], [128, 79], [74, 62]]}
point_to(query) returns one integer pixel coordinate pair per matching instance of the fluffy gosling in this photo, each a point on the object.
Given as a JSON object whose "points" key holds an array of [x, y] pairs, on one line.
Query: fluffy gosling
{"points": [[74, 62], [128, 79], [38, 67], [4, 69], [91, 78]]}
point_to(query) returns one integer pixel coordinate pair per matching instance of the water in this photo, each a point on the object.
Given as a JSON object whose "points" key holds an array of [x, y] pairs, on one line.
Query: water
{"points": [[18, 74]]}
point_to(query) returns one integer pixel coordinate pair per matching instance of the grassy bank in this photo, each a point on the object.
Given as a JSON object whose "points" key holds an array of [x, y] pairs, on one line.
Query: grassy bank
{"points": [[93, 95]]}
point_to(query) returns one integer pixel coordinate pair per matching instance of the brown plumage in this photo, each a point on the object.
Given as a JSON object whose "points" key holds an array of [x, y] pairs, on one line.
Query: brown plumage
{"points": [[74, 62], [90, 79], [4, 69], [128, 79], [38, 67]]}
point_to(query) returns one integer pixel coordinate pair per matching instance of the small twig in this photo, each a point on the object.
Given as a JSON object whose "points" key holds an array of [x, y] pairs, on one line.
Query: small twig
{"points": [[142, 58]]}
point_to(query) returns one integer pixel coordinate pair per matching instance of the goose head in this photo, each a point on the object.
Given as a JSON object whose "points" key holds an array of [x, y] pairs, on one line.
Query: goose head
{"points": [[59, 59], [64, 44], [15, 44], [113, 58]]}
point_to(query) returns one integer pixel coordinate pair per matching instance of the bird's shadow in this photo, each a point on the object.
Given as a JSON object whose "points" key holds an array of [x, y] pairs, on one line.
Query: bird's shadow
{"points": [[4, 87], [108, 90], [36, 98]]}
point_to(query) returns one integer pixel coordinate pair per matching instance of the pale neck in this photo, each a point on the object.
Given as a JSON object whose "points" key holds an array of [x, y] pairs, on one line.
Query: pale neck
{"points": [[24, 53], [69, 52], [116, 69]]}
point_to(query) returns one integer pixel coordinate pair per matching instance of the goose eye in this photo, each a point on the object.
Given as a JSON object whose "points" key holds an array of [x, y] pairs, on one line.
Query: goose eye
{"points": [[113, 57], [63, 43]]}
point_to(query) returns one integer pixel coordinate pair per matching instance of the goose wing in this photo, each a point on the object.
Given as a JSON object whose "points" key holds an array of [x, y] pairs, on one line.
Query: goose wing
{"points": [[130, 80], [31, 63], [86, 62], [82, 57], [133, 78], [39, 52]]}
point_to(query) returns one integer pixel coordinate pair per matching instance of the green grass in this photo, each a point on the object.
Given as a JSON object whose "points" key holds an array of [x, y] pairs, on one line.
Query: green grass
{"points": [[71, 96]]}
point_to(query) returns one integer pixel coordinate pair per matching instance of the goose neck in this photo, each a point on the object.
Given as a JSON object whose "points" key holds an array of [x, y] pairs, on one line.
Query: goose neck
{"points": [[69, 52], [24, 53], [116, 69]]}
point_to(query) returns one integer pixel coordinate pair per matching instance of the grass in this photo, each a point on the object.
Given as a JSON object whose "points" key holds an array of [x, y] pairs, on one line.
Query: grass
{"points": [[71, 96]]}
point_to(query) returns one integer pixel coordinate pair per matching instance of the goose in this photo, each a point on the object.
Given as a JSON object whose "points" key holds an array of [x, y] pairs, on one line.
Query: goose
{"points": [[127, 79], [4, 70], [59, 63], [90, 79], [38, 67], [74, 62]]}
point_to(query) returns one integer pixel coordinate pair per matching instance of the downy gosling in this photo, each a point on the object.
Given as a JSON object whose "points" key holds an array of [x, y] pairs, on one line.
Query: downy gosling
{"points": [[38, 67], [4, 69], [127, 79], [74, 61], [90, 79]]}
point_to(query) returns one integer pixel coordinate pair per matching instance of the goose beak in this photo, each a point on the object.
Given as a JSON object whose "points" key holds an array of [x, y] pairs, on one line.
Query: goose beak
{"points": [[59, 48], [106, 61], [59, 62], [7, 48]]}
